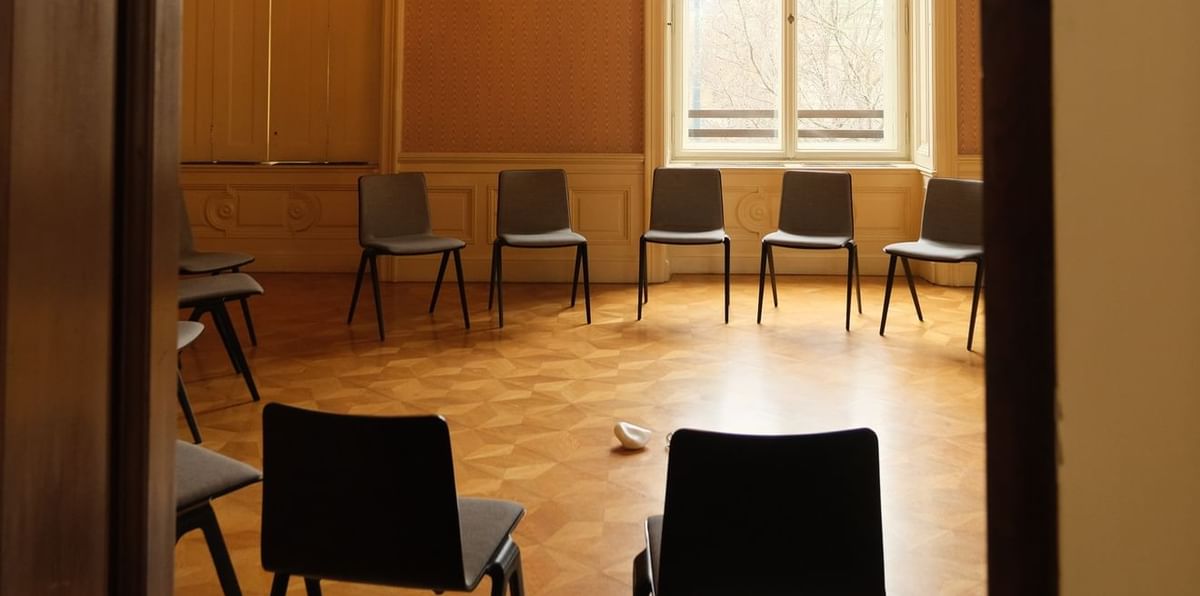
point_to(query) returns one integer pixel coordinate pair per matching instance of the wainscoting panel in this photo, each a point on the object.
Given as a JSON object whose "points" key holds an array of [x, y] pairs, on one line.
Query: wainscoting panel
{"points": [[887, 208], [305, 218], [291, 218], [607, 206]]}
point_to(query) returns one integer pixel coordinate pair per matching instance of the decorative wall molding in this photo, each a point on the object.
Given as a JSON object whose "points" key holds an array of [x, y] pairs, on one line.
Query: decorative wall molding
{"points": [[291, 218]]}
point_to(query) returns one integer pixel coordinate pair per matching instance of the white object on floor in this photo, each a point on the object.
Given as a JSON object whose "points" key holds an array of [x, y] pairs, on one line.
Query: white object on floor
{"points": [[631, 436]]}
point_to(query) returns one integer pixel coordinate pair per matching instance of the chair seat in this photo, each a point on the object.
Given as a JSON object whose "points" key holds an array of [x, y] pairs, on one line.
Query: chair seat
{"points": [[484, 523], [668, 237], [416, 244], [211, 262], [564, 237], [930, 250], [201, 475], [186, 332], [781, 238], [194, 291]]}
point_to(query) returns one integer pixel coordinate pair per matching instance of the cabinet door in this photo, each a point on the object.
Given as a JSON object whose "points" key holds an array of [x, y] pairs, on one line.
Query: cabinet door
{"points": [[300, 80], [196, 117], [354, 74], [241, 61]]}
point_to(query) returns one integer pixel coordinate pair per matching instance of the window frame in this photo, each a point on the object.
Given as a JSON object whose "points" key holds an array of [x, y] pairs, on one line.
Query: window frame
{"points": [[791, 153]]}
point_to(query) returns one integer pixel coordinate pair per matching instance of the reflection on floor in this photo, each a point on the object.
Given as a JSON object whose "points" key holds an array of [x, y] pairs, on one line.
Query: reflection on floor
{"points": [[531, 408]]}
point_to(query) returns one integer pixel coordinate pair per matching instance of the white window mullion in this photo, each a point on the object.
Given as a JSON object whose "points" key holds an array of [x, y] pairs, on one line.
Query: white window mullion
{"points": [[788, 118]]}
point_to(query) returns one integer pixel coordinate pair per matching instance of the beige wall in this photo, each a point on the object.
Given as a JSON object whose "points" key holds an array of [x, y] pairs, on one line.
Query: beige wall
{"points": [[1127, 126]]}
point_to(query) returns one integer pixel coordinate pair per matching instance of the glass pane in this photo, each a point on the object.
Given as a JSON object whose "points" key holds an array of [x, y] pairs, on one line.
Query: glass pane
{"points": [[732, 73], [845, 74]]}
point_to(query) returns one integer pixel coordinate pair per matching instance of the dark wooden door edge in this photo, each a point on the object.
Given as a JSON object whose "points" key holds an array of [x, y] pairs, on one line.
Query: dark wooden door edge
{"points": [[1022, 488]]}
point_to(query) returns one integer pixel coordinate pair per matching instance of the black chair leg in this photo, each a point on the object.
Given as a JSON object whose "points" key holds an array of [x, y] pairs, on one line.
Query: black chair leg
{"points": [[641, 575], [575, 278], [225, 337], [249, 322], [246, 317], [186, 406], [312, 586], [975, 304], [762, 277], [646, 275], [506, 571], [362, 267], [437, 286], [279, 584], [887, 293], [587, 283], [462, 289], [378, 299], [771, 265], [221, 315], [849, 282], [492, 279], [857, 279], [204, 519], [912, 288], [500, 282], [641, 281], [726, 243]]}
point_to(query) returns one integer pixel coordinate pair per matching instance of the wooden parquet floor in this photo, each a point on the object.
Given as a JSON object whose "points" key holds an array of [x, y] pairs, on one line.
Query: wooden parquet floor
{"points": [[531, 408]]}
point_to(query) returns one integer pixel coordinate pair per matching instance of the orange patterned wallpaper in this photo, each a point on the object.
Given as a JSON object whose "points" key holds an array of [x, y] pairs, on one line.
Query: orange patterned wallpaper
{"points": [[970, 80], [523, 76]]}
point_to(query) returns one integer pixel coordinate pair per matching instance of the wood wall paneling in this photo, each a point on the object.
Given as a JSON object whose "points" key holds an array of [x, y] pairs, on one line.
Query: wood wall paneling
{"points": [[300, 80], [241, 34], [196, 117], [354, 81], [292, 218]]}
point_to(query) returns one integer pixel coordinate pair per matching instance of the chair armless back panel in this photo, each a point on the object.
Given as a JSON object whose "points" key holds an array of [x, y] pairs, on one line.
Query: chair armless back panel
{"points": [[953, 211], [391, 205], [686, 200], [360, 498], [532, 202], [772, 515], [817, 204]]}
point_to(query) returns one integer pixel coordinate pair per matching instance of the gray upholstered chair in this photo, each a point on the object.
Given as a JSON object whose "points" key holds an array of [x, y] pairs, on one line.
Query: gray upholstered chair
{"points": [[192, 262], [209, 294], [686, 207], [393, 220], [816, 212], [533, 210], [186, 332], [951, 232], [374, 502], [201, 476]]}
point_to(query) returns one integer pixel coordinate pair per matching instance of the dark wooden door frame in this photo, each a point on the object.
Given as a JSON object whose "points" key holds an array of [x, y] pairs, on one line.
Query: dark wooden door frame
{"points": [[145, 251], [1022, 488]]}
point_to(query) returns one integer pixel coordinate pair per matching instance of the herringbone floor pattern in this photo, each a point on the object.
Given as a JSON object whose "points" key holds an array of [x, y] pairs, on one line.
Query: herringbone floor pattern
{"points": [[531, 408]]}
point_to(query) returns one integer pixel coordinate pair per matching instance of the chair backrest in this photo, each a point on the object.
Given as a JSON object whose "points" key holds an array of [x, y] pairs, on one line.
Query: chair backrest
{"points": [[532, 202], [360, 498], [953, 211], [187, 244], [817, 204], [793, 514], [686, 200], [392, 205]]}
